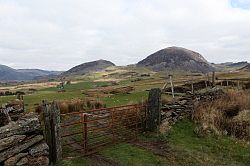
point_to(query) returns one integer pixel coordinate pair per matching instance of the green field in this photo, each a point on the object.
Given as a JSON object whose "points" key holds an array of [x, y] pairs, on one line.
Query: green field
{"points": [[73, 91], [184, 147]]}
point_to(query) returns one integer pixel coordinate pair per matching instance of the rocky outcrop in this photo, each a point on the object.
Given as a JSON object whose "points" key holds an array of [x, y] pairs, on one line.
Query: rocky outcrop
{"points": [[22, 142], [178, 59]]}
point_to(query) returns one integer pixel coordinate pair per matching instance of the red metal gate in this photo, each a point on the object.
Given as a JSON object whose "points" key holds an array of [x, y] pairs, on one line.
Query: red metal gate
{"points": [[84, 132]]}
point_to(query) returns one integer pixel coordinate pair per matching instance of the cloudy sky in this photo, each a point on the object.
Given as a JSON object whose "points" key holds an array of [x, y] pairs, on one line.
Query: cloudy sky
{"points": [[59, 34]]}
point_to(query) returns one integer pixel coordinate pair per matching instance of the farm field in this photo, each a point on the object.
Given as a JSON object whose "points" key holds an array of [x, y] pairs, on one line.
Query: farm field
{"points": [[181, 146]]}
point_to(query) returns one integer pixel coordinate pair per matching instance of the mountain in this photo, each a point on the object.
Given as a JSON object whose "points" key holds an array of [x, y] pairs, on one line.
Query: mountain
{"points": [[10, 74], [238, 64], [88, 67], [177, 58], [246, 68]]}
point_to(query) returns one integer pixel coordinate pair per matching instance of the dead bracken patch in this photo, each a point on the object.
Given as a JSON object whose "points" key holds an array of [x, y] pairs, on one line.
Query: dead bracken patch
{"points": [[228, 115], [76, 105]]}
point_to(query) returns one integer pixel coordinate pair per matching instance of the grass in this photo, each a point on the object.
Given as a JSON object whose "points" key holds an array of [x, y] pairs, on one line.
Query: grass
{"points": [[123, 99], [75, 162], [73, 92], [129, 155], [208, 150], [185, 148], [78, 86]]}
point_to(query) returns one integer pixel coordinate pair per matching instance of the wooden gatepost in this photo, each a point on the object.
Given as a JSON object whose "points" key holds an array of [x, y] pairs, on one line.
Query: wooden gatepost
{"points": [[153, 116], [52, 130]]}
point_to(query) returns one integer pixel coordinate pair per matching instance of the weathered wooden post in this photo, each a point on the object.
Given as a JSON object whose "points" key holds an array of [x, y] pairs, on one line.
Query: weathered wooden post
{"points": [[153, 116], [56, 132], [85, 119], [208, 80], [213, 79], [18, 96], [238, 85], [205, 81], [47, 126], [192, 85], [52, 130], [172, 85]]}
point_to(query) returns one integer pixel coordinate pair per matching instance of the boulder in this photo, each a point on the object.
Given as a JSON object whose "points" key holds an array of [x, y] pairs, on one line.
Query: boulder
{"points": [[11, 141]]}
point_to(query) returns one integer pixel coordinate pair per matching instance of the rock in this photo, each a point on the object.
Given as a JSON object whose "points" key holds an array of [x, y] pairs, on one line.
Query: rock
{"points": [[23, 161], [11, 141], [168, 114], [39, 161], [13, 160], [41, 149], [20, 147], [20, 127]]}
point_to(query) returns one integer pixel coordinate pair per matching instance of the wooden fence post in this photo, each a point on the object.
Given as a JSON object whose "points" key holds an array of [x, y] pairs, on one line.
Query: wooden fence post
{"points": [[192, 85], [52, 130], [205, 81], [172, 85], [47, 126], [154, 110], [85, 119], [56, 133], [213, 79]]}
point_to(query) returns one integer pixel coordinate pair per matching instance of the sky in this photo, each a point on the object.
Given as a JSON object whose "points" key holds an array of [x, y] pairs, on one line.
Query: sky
{"points": [[59, 34]]}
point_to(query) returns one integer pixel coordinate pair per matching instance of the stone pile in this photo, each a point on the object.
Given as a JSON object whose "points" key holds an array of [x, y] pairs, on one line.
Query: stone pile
{"points": [[22, 143]]}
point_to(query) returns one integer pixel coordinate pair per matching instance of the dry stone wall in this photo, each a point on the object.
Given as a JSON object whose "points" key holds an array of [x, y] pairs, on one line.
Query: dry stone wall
{"points": [[180, 108], [22, 143]]}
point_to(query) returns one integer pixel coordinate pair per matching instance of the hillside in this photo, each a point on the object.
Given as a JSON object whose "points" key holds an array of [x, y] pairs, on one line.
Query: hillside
{"points": [[176, 58], [238, 64], [10, 74], [88, 67], [246, 68]]}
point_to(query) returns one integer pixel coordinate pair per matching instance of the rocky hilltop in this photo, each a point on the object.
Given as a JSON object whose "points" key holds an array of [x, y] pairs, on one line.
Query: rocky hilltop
{"points": [[176, 58], [88, 67]]}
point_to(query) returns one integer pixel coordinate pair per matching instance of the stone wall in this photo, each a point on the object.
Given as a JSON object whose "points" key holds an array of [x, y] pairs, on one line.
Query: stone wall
{"points": [[22, 142], [182, 107]]}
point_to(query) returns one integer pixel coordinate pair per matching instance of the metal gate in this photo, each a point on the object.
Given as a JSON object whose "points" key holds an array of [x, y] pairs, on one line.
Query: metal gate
{"points": [[86, 131]]}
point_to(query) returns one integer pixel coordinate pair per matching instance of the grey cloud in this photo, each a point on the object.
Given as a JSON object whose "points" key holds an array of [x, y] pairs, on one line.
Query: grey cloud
{"points": [[58, 34]]}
